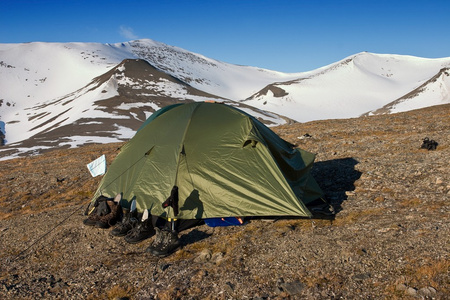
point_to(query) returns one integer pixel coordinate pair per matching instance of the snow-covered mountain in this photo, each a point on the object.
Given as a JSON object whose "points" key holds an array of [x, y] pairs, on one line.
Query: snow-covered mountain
{"points": [[360, 84], [67, 94], [432, 92]]}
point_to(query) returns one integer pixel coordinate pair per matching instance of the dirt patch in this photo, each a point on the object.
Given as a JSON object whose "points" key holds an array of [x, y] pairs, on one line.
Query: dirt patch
{"points": [[390, 238]]}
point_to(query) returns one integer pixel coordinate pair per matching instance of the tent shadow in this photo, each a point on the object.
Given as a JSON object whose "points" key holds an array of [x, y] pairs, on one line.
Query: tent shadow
{"points": [[336, 177], [193, 236], [193, 202]]}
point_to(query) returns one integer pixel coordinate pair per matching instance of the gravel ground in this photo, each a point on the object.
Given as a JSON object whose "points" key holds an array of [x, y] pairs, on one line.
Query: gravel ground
{"points": [[389, 240]]}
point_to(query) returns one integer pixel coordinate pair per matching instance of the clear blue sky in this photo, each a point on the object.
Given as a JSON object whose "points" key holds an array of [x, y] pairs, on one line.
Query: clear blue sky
{"points": [[281, 35]]}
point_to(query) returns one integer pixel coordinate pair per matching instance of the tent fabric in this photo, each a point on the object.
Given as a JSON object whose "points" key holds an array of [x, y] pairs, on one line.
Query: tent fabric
{"points": [[224, 162]]}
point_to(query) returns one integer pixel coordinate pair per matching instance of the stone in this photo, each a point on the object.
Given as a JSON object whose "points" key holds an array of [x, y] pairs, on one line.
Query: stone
{"points": [[292, 288], [205, 255], [424, 292], [361, 277], [229, 288], [217, 257], [411, 291], [164, 266]]}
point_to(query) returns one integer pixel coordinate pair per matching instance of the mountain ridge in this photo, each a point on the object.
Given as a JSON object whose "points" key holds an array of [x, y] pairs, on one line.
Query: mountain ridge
{"points": [[41, 80]]}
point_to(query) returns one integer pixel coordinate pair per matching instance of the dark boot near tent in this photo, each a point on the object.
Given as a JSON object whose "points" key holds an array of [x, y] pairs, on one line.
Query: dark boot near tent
{"points": [[111, 218], [101, 208], [122, 228], [141, 231], [91, 220], [157, 241], [166, 242]]}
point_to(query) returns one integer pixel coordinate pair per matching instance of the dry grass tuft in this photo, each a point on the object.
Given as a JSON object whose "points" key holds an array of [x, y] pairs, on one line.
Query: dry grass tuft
{"points": [[413, 202], [119, 292], [430, 273], [353, 217]]}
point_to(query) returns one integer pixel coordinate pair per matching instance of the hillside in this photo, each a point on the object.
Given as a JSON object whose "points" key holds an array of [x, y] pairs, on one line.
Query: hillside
{"points": [[390, 238], [61, 95], [360, 84]]}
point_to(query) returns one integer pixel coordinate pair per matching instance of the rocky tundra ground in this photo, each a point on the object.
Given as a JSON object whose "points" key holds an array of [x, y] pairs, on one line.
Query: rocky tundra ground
{"points": [[390, 238]]}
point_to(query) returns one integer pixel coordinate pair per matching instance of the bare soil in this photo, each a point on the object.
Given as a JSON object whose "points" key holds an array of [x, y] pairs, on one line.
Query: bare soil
{"points": [[390, 238]]}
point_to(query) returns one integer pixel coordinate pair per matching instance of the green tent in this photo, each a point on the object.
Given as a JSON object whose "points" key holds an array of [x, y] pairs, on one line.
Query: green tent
{"points": [[224, 162]]}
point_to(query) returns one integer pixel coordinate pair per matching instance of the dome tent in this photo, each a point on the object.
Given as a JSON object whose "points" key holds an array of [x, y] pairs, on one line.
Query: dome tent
{"points": [[222, 161]]}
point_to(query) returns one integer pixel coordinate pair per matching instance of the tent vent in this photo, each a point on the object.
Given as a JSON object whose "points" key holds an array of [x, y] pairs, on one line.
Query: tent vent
{"points": [[250, 142], [148, 152]]}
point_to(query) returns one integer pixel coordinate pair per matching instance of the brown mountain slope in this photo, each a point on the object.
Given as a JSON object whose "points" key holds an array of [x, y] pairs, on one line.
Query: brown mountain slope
{"points": [[135, 88], [390, 238]]}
